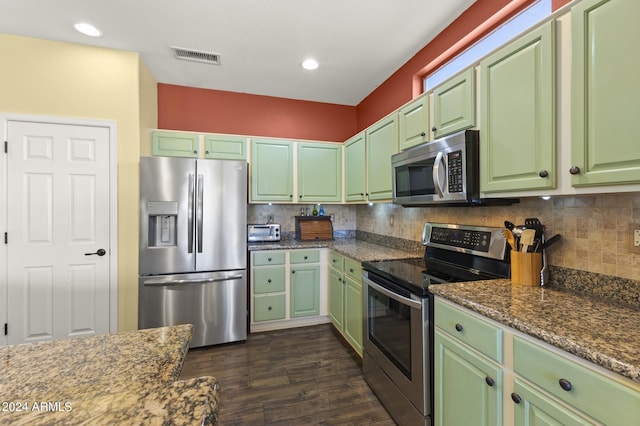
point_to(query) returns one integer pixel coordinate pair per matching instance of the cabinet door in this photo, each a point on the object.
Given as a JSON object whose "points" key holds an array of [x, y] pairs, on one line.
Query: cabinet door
{"points": [[605, 92], [271, 170], [517, 135], [353, 313], [382, 143], [336, 298], [319, 172], [175, 144], [454, 104], [534, 408], [305, 291], [468, 388], [413, 122], [225, 147], [269, 307], [354, 168]]}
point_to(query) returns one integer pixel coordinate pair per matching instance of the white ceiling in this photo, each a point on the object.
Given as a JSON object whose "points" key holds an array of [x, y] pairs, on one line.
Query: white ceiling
{"points": [[359, 43]]}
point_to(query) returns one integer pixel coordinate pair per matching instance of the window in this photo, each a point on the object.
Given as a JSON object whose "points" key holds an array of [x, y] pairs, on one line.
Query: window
{"points": [[517, 25]]}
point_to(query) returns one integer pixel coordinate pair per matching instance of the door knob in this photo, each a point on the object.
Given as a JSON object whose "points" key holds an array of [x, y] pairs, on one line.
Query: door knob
{"points": [[100, 252]]}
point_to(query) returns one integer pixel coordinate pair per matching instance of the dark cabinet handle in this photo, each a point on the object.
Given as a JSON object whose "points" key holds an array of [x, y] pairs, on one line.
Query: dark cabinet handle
{"points": [[293, 272], [339, 280], [100, 252], [269, 308], [516, 398], [423, 134], [362, 194], [459, 327], [268, 259], [195, 152], [300, 196], [433, 129], [269, 280], [575, 170], [351, 270], [290, 195], [206, 152], [305, 258], [543, 173], [565, 384], [490, 381]]}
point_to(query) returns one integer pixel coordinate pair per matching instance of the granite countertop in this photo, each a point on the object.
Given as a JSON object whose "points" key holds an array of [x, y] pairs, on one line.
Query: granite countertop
{"points": [[119, 378], [359, 250], [604, 332]]}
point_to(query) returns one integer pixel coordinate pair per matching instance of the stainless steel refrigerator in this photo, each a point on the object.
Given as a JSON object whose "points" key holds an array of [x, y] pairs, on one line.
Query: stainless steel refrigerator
{"points": [[193, 247]]}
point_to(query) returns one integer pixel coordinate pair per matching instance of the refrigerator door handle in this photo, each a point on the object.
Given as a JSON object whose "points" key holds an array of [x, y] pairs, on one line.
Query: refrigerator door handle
{"points": [[190, 215], [193, 281], [199, 212]]}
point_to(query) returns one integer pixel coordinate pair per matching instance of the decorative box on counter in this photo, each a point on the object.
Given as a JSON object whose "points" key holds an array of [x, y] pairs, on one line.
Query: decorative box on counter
{"points": [[313, 228]]}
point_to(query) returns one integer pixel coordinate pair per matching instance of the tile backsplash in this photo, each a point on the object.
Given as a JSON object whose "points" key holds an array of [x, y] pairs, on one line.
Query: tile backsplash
{"points": [[594, 229]]}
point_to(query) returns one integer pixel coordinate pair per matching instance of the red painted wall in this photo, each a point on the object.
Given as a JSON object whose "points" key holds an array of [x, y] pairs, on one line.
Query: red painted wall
{"points": [[215, 111]]}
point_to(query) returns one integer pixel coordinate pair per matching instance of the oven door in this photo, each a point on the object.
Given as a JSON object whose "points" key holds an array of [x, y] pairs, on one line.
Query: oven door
{"points": [[396, 338]]}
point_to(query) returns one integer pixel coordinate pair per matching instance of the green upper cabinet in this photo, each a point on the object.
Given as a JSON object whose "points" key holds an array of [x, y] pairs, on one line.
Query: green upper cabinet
{"points": [[413, 122], [354, 168], [175, 144], [517, 133], [454, 104], [605, 92], [271, 170], [225, 147], [381, 144], [319, 172]]}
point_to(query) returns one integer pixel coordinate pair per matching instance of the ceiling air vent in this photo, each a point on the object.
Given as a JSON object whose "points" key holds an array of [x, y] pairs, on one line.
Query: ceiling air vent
{"points": [[196, 55]]}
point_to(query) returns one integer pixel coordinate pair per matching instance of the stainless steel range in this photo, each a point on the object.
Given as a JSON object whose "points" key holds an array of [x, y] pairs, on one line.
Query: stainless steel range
{"points": [[398, 312]]}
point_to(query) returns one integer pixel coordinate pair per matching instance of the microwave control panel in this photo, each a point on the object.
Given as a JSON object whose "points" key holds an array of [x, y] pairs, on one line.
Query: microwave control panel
{"points": [[454, 172]]}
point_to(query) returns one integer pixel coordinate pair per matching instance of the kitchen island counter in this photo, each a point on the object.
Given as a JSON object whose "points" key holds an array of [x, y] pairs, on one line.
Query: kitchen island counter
{"points": [[119, 378], [356, 249], [601, 331]]}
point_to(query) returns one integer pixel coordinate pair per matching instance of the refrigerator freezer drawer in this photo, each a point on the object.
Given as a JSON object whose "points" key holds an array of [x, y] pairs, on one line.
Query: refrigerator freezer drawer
{"points": [[215, 303]]}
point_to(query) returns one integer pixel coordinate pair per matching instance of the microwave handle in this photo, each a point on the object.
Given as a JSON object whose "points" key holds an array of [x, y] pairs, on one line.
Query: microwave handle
{"points": [[436, 174]]}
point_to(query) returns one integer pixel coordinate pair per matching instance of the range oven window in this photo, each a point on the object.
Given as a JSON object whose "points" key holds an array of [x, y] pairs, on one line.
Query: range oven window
{"points": [[415, 178], [390, 329]]}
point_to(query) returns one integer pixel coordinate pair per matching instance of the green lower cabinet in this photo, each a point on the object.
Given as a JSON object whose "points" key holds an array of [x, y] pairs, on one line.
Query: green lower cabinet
{"points": [[353, 313], [225, 147], [468, 387], [532, 407], [269, 307], [336, 299], [305, 290]]}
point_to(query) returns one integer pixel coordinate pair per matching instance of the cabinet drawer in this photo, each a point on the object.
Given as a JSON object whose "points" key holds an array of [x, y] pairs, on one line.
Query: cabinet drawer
{"points": [[598, 396], [304, 256], [268, 258], [267, 308], [353, 268], [268, 280], [482, 336], [336, 260]]}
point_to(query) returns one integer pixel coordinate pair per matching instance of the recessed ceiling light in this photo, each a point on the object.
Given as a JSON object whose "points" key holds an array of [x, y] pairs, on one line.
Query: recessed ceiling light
{"points": [[310, 64], [87, 29]]}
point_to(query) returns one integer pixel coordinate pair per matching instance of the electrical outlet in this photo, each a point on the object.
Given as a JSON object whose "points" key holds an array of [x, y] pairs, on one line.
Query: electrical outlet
{"points": [[634, 237]]}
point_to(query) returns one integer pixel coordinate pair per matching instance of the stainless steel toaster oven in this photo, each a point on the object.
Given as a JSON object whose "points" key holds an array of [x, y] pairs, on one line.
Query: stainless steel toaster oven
{"points": [[260, 233]]}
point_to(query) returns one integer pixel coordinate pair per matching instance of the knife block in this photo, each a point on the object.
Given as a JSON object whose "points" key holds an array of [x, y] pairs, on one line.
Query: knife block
{"points": [[525, 268]]}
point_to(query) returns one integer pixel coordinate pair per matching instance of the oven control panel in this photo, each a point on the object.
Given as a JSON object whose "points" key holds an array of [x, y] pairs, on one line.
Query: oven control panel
{"points": [[478, 240]]}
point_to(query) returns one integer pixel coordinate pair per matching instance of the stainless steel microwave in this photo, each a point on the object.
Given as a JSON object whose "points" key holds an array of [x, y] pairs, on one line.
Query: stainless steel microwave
{"points": [[443, 172]]}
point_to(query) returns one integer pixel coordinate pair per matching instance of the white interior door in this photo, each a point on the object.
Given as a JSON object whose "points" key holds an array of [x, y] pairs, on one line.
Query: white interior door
{"points": [[58, 214]]}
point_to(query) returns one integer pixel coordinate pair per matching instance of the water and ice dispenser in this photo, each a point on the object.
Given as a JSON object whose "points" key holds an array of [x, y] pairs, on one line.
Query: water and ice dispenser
{"points": [[163, 223]]}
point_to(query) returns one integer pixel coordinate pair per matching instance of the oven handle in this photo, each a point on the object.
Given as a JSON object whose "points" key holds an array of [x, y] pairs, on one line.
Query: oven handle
{"points": [[404, 300]]}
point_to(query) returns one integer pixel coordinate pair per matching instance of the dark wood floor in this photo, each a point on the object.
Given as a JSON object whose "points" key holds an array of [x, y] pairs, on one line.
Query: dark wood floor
{"points": [[300, 376]]}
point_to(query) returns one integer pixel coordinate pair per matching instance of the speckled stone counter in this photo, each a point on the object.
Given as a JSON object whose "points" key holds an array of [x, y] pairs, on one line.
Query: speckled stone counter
{"points": [[604, 332], [120, 378], [356, 249]]}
